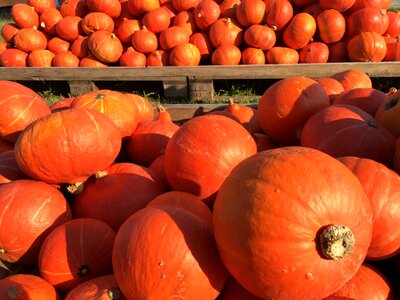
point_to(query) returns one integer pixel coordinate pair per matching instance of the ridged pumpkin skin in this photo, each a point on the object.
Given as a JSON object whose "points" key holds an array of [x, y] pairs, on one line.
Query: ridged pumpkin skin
{"points": [[9, 170], [382, 187], [367, 283], [287, 104], [31, 210], [75, 252], [26, 286], [112, 104], [203, 151], [99, 288], [93, 143], [271, 213], [19, 107], [105, 46], [353, 78], [335, 129], [388, 113], [30, 39], [144, 106], [165, 253], [123, 189]]}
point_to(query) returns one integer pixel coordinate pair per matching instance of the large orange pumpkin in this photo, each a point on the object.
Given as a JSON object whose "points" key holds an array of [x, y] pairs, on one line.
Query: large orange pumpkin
{"points": [[75, 252], [388, 113], [299, 31], [367, 47], [382, 187], [353, 78], [93, 143], [24, 15], [332, 87], [203, 151], [164, 252], [105, 46], [19, 107], [346, 130], [116, 193], [112, 104], [31, 210], [287, 104], [280, 226], [30, 39]]}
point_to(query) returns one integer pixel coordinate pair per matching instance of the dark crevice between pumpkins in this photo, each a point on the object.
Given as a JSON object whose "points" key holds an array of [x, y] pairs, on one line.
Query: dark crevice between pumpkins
{"points": [[335, 241], [392, 103], [114, 293], [372, 124], [83, 271]]}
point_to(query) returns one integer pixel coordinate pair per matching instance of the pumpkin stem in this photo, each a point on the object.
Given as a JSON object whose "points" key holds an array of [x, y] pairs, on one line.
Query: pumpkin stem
{"points": [[161, 108], [3, 251], [114, 293], [75, 188], [101, 174], [336, 241], [273, 27], [13, 292], [100, 96], [392, 90]]}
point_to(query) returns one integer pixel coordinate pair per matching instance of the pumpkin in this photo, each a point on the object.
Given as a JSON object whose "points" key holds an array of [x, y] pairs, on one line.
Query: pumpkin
{"points": [[26, 286], [80, 47], [144, 40], [339, 5], [353, 78], [157, 167], [366, 20], [260, 36], [30, 39], [228, 8], [393, 29], [126, 29], [69, 28], [186, 201], [5, 145], [186, 20], [388, 112], [181, 5], [286, 106], [314, 9], [368, 99], [99, 287], [105, 46], [359, 4], [13, 57], [144, 107], [278, 14], [202, 144], [282, 55], [367, 47], [392, 49], [57, 45], [92, 62], [332, 87], [225, 31], [24, 15], [74, 8], [110, 7], [19, 107], [226, 55], [150, 138], [344, 124], [267, 204], [367, 283], [62, 104], [40, 58], [65, 59], [202, 41], [331, 26], [299, 31], [249, 12], [93, 144], [246, 115], [157, 20], [9, 170], [263, 141], [172, 37], [49, 19], [125, 14], [206, 13], [396, 158], [132, 58], [185, 54], [252, 56], [41, 6], [77, 238], [314, 52], [381, 185], [112, 104], [157, 58], [338, 52], [234, 291], [96, 21], [115, 194], [31, 210], [8, 31], [140, 7], [162, 251]]}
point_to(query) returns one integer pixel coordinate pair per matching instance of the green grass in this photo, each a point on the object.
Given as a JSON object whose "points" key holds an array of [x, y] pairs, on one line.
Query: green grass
{"points": [[5, 17]]}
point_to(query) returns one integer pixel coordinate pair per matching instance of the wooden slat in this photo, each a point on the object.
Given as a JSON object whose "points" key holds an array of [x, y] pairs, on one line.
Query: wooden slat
{"points": [[383, 69], [7, 3]]}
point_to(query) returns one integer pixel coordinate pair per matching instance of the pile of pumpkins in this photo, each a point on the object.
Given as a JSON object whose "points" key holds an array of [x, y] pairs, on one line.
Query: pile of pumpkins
{"points": [[298, 198], [136, 33]]}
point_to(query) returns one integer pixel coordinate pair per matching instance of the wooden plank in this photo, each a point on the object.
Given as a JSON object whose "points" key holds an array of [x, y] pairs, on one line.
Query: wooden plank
{"points": [[383, 69], [175, 87], [200, 89], [79, 87], [7, 3]]}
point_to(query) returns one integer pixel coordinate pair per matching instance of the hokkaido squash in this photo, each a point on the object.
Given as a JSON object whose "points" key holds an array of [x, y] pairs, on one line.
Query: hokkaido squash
{"points": [[267, 204], [388, 113]]}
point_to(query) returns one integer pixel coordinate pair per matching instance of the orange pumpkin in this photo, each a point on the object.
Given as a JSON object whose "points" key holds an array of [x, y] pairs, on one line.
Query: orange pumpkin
{"points": [[132, 58], [65, 59], [332, 87], [173, 36], [157, 58], [8, 31], [226, 31], [144, 40], [206, 13], [267, 204], [388, 113], [13, 57], [367, 47], [299, 31], [331, 26], [249, 12], [260, 36], [226, 55], [144, 107], [49, 19], [105, 46], [96, 21], [69, 28], [74, 8], [30, 39], [110, 7], [185, 54], [57, 45], [252, 56], [126, 29], [40, 58], [24, 15], [314, 52], [157, 20], [278, 13], [282, 55], [41, 6], [353, 78]]}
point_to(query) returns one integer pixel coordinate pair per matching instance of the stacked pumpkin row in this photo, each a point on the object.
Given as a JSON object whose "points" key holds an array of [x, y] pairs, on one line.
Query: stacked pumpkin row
{"points": [[93, 33], [294, 199]]}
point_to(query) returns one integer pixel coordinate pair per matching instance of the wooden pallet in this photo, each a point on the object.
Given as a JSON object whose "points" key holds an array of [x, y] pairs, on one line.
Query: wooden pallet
{"points": [[9, 3], [193, 83]]}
